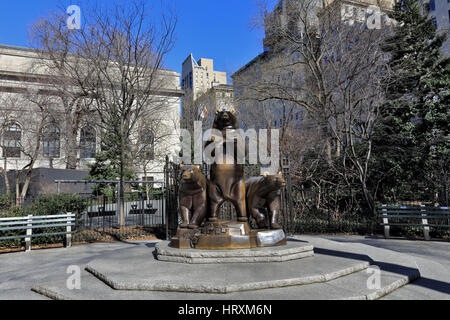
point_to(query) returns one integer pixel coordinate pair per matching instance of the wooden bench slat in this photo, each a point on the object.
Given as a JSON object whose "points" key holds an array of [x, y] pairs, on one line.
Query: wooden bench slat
{"points": [[35, 222], [69, 215], [412, 208], [36, 235], [413, 217], [13, 218], [54, 216], [416, 211], [38, 227], [414, 225]]}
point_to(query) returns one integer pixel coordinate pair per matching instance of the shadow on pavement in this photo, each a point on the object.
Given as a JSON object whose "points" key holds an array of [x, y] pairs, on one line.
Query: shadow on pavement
{"points": [[440, 286], [436, 285], [343, 254]]}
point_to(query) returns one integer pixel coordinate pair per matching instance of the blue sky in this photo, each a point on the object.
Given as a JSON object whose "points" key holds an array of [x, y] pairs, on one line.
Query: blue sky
{"points": [[214, 29]]}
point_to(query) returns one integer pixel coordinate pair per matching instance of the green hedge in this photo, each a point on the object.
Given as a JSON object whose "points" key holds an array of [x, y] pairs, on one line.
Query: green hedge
{"points": [[6, 202], [325, 226], [11, 212], [57, 204]]}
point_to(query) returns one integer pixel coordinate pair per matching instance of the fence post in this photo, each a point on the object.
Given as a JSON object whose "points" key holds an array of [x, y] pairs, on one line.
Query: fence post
{"points": [[426, 228], [385, 222], [166, 192], [287, 198], [28, 234], [68, 243]]}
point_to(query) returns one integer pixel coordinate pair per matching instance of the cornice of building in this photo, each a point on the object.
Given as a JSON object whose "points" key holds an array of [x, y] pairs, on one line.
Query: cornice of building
{"points": [[48, 80], [249, 64], [35, 53]]}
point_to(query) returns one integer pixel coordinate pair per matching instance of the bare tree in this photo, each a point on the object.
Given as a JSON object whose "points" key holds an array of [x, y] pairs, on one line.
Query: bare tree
{"points": [[27, 114], [115, 59], [329, 69], [7, 119], [52, 39]]}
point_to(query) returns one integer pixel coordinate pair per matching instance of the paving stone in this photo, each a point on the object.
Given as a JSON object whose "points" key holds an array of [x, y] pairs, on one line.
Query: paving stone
{"points": [[148, 273]]}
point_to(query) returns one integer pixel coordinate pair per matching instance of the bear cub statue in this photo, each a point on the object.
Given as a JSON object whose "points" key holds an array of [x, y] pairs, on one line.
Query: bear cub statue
{"points": [[192, 196], [265, 193]]}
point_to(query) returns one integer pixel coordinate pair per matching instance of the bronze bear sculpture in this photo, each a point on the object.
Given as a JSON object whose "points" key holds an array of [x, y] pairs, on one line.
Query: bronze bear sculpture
{"points": [[192, 197], [227, 179], [265, 193]]}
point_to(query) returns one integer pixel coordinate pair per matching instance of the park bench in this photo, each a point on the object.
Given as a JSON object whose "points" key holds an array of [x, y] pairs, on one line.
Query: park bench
{"points": [[101, 212], [421, 216], [30, 223], [149, 210]]}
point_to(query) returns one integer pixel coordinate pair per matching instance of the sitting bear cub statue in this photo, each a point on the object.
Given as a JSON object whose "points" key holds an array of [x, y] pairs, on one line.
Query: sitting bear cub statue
{"points": [[265, 193], [192, 196]]}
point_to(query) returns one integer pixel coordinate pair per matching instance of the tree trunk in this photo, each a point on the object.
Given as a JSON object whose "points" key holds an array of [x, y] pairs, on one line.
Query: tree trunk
{"points": [[72, 122], [5, 174], [26, 184], [121, 181], [18, 198], [328, 148]]}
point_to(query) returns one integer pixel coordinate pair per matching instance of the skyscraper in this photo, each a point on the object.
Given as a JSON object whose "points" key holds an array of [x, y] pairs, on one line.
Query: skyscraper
{"points": [[198, 77]]}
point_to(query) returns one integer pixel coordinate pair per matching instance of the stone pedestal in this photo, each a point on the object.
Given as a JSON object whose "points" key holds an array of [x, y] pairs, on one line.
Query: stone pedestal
{"points": [[289, 252], [227, 235]]}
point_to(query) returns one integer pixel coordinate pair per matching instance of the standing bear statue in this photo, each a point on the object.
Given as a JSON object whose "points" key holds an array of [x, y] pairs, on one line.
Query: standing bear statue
{"points": [[227, 178]]}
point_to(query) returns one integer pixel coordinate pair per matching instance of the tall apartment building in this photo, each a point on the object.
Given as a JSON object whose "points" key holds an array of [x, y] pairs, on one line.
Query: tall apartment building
{"points": [[439, 10], [198, 77], [205, 90], [351, 11]]}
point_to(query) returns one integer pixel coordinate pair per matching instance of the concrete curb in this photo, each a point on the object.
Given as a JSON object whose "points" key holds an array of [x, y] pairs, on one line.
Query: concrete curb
{"points": [[49, 293], [387, 289], [261, 259], [162, 248]]}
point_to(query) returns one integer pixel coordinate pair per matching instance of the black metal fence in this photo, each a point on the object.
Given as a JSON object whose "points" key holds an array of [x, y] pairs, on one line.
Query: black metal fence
{"points": [[152, 209], [143, 215], [98, 216]]}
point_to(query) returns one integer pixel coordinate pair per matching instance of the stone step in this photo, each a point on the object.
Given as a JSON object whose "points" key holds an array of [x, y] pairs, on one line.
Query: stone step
{"points": [[146, 273], [353, 286], [292, 251], [337, 271]]}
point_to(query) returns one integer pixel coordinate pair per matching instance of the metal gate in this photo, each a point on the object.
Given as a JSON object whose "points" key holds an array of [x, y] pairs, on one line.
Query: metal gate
{"points": [[171, 176]]}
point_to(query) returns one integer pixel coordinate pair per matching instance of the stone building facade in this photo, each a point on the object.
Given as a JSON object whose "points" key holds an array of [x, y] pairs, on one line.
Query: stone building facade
{"points": [[28, 106]]}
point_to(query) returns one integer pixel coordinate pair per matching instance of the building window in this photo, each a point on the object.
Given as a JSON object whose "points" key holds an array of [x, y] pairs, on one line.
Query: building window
{"points": [[147, 144], [148, 179], [51, 141], [12, 141], [432, 5], [87, 143], [434, 21]]}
